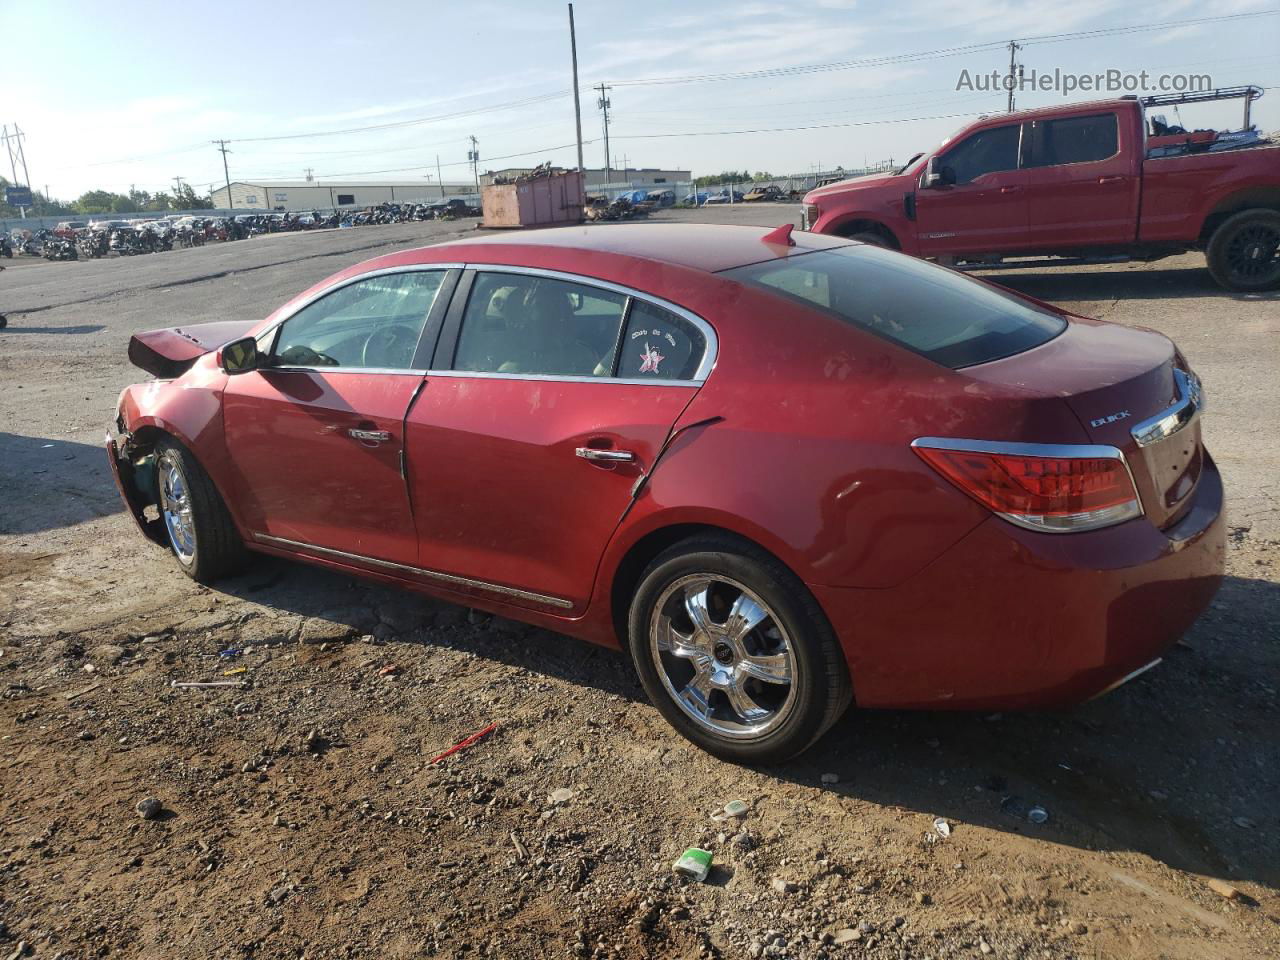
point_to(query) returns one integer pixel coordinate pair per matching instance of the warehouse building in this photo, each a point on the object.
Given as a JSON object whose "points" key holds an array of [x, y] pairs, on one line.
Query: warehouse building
{"points": [[292, 195], [598, 177]]}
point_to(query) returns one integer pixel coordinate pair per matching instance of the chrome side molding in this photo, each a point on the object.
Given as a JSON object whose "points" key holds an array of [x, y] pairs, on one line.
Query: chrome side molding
{"points": [[436, 575], [1189, 403]]}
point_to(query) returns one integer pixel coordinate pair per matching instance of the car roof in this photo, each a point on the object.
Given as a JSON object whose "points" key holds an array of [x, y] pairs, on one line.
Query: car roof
{"points": [[710, 247]]}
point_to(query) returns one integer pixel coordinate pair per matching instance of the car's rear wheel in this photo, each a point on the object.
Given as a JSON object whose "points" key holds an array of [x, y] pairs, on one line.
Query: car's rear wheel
{"points": [[735, 652], [1244, 252], [198, 525]]}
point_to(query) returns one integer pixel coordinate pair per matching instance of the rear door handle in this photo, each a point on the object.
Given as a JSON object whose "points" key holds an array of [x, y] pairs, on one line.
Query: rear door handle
{"points": [[605, 456], [1009, 189], [369, 436], [1110, 179]]}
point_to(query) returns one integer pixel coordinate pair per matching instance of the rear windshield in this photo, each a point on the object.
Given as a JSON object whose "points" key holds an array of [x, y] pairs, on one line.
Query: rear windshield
{"points": [[943, 315]]}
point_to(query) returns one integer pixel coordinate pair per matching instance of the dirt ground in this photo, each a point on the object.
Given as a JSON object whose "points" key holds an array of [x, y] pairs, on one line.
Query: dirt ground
{"points": [[301, 815]]}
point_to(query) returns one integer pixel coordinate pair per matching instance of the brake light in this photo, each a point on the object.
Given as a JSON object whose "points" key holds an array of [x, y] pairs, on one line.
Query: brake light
{"points": [[809, 216], [1054, 488]]}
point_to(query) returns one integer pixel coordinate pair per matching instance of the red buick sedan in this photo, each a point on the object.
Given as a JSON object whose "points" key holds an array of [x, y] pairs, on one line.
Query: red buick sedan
{"points": [[786, 473]]}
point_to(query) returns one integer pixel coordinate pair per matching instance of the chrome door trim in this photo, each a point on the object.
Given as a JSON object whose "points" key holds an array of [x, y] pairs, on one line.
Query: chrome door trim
{"points": [[387, 371], [436, 575], [709, 354], [1166, 423], [556, 378]]}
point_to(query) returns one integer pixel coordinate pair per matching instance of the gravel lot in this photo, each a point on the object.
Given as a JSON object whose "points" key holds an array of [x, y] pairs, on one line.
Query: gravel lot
{"points": [[300, 816]]}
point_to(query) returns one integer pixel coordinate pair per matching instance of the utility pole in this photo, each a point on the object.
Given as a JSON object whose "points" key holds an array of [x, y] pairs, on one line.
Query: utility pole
{"points": [[474, 156], [604, 104], [222, 146], [439, 177], [577, 105], [9, 140], [310, 172], [1015, 71], [177, 184]]}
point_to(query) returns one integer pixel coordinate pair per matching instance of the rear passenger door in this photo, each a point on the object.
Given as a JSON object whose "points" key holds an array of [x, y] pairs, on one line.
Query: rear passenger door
{"points": [[549, 396], [1083, 181]]}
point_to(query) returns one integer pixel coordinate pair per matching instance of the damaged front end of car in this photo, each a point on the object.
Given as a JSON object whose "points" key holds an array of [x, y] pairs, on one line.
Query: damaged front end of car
{"points": [[182, 404]]}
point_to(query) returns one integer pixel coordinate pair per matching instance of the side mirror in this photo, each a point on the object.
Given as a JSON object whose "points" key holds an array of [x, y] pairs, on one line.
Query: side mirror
{"points": [[240, 356], [937, 174]]}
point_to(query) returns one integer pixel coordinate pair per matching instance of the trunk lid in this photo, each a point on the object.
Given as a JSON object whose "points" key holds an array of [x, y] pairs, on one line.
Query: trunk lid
{"points": [[1129, 389], [169, 352]]}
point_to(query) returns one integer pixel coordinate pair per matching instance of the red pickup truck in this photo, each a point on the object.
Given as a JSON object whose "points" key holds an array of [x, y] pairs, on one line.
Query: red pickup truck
{"points": [[1085, 183]]}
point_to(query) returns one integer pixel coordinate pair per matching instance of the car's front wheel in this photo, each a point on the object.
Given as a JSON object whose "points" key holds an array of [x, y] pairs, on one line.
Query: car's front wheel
{"points": [[197, 523], [735, 652]]}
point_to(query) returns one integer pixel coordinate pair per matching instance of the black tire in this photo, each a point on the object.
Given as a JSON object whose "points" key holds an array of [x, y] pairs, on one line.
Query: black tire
{"points": [[216, 549], [819, 674], [1244, 251], [875, 239]]}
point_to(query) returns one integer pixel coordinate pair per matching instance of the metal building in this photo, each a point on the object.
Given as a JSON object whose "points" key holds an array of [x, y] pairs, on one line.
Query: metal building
{"points": [[292, 195]]}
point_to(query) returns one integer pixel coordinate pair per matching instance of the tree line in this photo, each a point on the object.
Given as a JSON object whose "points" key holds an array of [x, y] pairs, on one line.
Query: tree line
{"points": [[105, 201]]}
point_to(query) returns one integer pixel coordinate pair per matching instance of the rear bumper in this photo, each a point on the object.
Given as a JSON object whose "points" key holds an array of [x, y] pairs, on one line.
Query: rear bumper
{"points": [[1012, 619]]}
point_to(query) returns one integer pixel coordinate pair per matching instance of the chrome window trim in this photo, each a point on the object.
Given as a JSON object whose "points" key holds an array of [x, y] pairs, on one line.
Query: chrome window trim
{"points": [[710, 351], [1100, 451], [392, 371], [1167, 422], [447, 578], [562, 378]]}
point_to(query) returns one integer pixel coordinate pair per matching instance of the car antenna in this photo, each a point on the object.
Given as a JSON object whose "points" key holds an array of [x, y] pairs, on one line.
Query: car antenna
{"points": [[781, 236]]}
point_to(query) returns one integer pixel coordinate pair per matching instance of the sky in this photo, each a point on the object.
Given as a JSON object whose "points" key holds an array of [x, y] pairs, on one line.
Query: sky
{"points": [[133, 93]]}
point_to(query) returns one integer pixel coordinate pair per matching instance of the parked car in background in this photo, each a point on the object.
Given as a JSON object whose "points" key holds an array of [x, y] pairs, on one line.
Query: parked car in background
{"points": [[769, 193], [68, 228], [724, 197], [1068, 185], [662, 198], [786, 472], [696, 199]]}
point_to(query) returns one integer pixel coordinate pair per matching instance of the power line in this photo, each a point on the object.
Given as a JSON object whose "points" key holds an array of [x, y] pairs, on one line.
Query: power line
{"points": [[818, 126], [936, 54], [509, 105]]}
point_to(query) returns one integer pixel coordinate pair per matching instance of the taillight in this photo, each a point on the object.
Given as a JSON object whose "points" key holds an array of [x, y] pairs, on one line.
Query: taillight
{"points": [[1055, 488], [810, 214]]}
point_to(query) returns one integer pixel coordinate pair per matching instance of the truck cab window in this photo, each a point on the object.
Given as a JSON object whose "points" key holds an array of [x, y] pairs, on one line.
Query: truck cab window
{"points": [[986, 151], [1074, 140]]}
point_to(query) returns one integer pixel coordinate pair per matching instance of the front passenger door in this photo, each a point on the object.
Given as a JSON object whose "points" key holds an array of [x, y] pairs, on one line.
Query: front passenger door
{"points": [[985, 210], [316, 435]]}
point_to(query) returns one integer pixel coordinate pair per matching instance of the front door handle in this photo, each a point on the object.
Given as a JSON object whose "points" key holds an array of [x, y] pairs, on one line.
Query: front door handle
{"points": [[605, 456], [1116, 179], [1009, 189], [369, 436]]}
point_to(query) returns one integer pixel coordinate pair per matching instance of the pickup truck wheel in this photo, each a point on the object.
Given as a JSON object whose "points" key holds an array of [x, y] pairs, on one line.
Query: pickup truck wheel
{"points": [[1244, 252], [198, 525]]}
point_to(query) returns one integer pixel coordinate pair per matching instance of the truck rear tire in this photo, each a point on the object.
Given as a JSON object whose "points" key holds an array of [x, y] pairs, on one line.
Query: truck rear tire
{"points": [[1244, 251]]}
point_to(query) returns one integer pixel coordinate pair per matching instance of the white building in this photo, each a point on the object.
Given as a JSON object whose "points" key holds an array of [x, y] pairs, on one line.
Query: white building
{"points": [[293, 195]]}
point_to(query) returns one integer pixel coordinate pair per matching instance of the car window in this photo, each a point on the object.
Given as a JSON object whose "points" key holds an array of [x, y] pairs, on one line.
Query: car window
{"points": [[659, 345], [987, 151], [950, 318], [370, 323], [1074, 140], [521, 324]]}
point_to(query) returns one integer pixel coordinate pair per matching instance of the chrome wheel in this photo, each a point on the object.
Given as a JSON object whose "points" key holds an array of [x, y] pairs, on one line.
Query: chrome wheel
{"points": [[175, 506], [723, 656]]}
